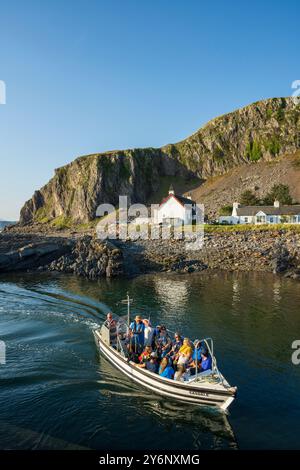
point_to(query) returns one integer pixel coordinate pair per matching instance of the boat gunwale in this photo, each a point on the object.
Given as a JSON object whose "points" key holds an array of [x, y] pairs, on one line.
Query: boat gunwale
{"points": [[173, 384], [194, 399]]}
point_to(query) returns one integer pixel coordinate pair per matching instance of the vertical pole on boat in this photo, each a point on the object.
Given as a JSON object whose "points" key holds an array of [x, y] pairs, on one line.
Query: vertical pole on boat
{"points": [[128, 309], [196, 354]]}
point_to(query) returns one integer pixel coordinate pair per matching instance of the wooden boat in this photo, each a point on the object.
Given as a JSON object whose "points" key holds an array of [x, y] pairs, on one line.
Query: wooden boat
{"points": [[206, 388]]}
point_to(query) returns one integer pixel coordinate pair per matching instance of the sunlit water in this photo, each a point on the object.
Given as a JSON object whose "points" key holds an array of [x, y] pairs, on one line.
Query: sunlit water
{"points": [[56, 392]]}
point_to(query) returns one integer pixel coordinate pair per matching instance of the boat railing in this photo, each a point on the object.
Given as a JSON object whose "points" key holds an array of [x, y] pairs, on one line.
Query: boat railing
{"points": [[209, 343], [120, 347]]}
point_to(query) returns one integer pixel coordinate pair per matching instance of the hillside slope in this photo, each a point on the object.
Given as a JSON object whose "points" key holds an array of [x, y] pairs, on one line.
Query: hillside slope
{"points": [[262, 131], [223, 190]]}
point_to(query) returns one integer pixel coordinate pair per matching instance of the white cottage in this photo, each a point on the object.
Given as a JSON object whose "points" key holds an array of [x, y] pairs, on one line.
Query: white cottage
{"points": [[275, 214], [176, 210]]}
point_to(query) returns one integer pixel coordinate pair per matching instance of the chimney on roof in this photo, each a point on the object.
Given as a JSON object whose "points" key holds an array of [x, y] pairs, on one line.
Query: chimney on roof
{"points": [[171, 190], [235, 206], [276, 203]]}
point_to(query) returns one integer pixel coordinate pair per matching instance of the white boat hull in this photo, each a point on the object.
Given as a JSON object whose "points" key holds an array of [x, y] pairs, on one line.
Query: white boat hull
{"points": [[203, 393]]}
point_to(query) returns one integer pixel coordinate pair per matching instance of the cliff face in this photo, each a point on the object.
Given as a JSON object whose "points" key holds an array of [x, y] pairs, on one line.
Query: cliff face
{"points": [[261, 131], [77, 189]]}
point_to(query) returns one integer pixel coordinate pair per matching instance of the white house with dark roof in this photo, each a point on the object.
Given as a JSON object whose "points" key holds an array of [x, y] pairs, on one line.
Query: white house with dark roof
{"points": [[176, 210], [275, 214]]}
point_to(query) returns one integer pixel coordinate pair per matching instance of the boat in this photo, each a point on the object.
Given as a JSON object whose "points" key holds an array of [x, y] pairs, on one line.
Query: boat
{"points": [[203, 388]]}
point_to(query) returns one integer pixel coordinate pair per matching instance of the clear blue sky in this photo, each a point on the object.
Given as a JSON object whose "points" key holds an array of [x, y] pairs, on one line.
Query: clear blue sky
{"points": [[89, 76]]}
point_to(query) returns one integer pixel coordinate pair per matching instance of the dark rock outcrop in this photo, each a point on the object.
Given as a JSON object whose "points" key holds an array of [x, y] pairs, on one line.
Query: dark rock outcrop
{"points": [[276, 251], [84, 256], [91, 258], [26, 253]]}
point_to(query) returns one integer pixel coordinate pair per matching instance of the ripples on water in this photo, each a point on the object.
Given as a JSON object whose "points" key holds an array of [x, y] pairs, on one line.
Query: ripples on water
{"points": [[57, 393]]}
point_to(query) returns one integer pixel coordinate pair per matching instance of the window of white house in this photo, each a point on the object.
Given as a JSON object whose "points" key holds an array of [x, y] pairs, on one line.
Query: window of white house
{"points": [[260, 219], [246, 220], [271, 220]]}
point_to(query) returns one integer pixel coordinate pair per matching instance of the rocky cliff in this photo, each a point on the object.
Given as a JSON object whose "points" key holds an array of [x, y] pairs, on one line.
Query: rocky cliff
{"points": [[261, 131]]}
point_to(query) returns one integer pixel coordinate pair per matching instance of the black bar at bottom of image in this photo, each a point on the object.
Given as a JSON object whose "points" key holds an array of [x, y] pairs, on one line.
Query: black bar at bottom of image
{"points": [[137, 459]]}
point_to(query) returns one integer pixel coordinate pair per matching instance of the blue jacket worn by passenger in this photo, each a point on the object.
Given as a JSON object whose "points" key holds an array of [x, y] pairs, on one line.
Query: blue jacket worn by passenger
{"points": [[206, 363], [138, 329], [168, 372], [197, 352]]}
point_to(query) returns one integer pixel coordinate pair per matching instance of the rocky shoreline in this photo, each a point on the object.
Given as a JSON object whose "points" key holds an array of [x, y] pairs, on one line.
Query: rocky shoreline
{"points": [[276, 251]]}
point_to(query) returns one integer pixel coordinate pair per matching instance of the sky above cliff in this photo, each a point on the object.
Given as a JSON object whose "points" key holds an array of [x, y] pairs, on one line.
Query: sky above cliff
{"points": [[85, 77]]}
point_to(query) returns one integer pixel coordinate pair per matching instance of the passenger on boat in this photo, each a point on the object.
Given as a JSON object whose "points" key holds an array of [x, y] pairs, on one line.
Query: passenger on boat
{"points": [[199, 349], [151, 365], [165, 369], [176, 345], [148, 333], [183, 358], [145, 356], [155, 335], [206, 362], [185, 352], [137, 329], [112, 326], [163, 342]]}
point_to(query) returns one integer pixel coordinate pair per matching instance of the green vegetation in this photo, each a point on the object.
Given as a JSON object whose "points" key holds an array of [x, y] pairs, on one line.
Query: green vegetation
{"points": [[269, 113], [280, 115], [225, 210], [248, 198], [272, 145], [61, 222], [250, 227], [279, 192], [43, 214], [253, 151], [107, 164], [125, 170], [218, 154]]}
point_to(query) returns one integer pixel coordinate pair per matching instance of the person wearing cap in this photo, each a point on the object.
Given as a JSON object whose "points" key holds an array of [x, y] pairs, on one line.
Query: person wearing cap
{"points": [[137, 330]]}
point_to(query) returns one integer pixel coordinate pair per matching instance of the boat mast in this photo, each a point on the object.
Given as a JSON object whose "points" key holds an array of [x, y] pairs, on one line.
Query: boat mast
{"points": [[127, 301], [128, 309]]}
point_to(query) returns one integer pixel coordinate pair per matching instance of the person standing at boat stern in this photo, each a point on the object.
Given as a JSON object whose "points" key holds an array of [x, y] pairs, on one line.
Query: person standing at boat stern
{"points": [[112, 326], [137, 334]]}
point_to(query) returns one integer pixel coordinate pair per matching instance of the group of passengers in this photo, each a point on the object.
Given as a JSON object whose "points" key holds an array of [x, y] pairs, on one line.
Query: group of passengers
{"points": [[156, 351]]}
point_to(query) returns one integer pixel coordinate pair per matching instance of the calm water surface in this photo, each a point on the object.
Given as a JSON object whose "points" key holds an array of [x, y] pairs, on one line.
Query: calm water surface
{"points": [[56, 392]]}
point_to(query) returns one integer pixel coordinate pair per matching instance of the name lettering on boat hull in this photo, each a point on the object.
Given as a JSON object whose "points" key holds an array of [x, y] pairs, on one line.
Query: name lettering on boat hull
{"points": [[202, 394]]}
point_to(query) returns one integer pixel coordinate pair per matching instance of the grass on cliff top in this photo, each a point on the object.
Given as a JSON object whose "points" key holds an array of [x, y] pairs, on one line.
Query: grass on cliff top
{"points": [[252, 228]]}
